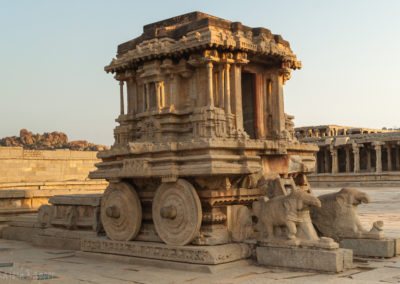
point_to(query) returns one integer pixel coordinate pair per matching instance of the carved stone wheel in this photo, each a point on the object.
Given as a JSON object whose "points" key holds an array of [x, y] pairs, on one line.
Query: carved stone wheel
{"points": [[121, 212], [177, 212]]}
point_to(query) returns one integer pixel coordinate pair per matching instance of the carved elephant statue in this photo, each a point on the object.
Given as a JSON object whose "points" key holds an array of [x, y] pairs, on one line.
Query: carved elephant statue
{"points": [[290, 211], [337, 218]]}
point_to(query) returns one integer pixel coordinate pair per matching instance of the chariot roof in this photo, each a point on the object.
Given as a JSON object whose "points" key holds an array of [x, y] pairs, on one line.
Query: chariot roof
{"points": [[197, 31]]}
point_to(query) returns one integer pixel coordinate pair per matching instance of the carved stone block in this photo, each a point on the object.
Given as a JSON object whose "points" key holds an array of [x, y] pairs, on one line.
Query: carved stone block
{"points": [[75, 211]]}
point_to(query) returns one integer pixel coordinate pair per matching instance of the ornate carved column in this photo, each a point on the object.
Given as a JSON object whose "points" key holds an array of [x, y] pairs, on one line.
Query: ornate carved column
{"points": [[368, 159], [121, 94], [277, 99], [378, 149], [227, 91], [131, 94], [356, 154], [160, 95], [326, 161], [147, 96], [259, 127], [389, 157], [335, 163], [237, 84], [210, 95], [348, 159], [221, 86]]}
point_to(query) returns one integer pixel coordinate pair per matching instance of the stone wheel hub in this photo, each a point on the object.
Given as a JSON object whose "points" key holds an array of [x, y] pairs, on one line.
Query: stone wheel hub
{"points": [[121, 212], [177, 212]]}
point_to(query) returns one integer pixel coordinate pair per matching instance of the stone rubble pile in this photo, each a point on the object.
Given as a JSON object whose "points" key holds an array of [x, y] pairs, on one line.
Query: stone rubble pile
{"points": [[48, 141]]}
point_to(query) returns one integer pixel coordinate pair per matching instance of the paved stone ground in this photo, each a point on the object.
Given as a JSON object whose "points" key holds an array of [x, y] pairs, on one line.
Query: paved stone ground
{"points": [[22, 263]]}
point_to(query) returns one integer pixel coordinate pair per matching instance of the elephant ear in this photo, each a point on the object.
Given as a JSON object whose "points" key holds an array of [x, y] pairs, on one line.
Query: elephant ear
{"points": [[256, 208], [340, 199], [287, 205], [299, 203]]}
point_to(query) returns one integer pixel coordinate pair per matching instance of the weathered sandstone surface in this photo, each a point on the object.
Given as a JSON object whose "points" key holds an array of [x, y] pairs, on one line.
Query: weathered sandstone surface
{"points": [[48, 141]]}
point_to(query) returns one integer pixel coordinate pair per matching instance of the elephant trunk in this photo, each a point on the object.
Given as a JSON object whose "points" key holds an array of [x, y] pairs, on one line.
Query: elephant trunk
{"points": [[365, 198], [315, 202]]}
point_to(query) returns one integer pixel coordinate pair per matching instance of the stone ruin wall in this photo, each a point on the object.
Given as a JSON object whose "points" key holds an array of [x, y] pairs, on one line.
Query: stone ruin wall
{"points": [[35, 166], [30, 177]]}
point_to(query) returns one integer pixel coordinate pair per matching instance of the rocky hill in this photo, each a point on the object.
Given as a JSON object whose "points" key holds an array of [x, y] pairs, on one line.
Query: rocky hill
{"points": [[48, 141]]}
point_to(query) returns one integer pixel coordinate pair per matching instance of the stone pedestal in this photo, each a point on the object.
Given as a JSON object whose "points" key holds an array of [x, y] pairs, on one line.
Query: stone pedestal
{"points": [[61, 239], [74, 211], [371, 248], [186, 254], [335, 260]]}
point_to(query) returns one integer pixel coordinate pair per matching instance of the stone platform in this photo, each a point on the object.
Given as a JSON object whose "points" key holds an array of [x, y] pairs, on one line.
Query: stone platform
{"points": [[383, 179], [305, 258], [21, 260], [23, 201], [187, 254], [371, 248]]}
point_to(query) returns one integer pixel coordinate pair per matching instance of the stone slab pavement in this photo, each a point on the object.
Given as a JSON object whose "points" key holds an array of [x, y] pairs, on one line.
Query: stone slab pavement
{"points": [[20, 262]]}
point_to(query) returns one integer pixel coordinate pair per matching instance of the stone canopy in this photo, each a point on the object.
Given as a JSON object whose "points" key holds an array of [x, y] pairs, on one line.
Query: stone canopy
{"points": [[196, 31]]}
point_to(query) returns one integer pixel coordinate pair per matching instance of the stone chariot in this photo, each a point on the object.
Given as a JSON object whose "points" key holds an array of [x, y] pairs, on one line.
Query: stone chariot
{"points": [[202, 132]]}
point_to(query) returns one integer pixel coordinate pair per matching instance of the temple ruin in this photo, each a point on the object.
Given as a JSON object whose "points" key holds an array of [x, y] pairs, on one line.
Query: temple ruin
{"points": [[205, 168], [201, 112], [353, 156]]}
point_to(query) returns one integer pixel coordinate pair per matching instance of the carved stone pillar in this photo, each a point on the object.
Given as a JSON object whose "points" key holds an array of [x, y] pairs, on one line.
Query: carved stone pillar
{"points": [[378, 149], [368, 159], [210, 95], [221, 86], [335, 163], [278, 106], [160, 95], [147, 96], [348, 160], [356, 154], [318, 164], [389, 157], [237, 84], [121, 94], [227, 93], [131, 95], [326, 161], [259, 127], [397, 158]]}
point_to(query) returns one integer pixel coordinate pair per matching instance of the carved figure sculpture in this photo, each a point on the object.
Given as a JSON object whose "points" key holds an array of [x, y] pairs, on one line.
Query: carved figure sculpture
{"points": [[289, 211], [337, 218]]}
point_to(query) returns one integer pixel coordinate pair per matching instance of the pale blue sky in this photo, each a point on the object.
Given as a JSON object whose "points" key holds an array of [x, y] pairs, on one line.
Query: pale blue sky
{"points": [[53, 54]]}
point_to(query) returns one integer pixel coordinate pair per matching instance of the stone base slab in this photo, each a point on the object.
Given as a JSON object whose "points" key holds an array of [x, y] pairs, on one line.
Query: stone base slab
{"points": [[397, 246], [335, 260], [61, 238], [370, 247], [203, 268], [54, 242], [25, 234], [23, 201], [384, 179], [187, 254], [323, 243], [67, 234]]}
